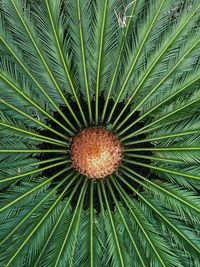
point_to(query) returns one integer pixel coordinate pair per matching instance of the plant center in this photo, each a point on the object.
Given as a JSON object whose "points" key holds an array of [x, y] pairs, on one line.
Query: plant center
{"points": [[96, 152]]}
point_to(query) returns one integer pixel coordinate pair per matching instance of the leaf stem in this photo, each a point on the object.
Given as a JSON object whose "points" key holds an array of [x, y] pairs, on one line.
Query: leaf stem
{"points": [[82, 193], [66, 70], [117, 64], [35, 136], [163, 169], [162, 149], [84, 61], [64, 151], [91, 224], [157, 138], [138, 250], [113, 225], [99, 63], [154, 158]]}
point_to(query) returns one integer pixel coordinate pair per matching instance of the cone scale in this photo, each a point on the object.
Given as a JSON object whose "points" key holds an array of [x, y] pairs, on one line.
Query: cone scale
{"points": [[96, 152]]}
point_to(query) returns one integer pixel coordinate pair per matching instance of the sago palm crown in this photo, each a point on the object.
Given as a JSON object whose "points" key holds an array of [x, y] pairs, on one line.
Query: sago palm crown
{"points": [[99, 133]]}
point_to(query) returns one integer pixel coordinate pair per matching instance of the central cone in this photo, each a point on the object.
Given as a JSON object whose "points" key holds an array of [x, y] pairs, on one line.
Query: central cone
{"points": [[96, 152]]}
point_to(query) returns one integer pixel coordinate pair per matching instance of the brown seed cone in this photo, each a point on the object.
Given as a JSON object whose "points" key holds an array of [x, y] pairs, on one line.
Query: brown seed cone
{"points": [[96, 152]]}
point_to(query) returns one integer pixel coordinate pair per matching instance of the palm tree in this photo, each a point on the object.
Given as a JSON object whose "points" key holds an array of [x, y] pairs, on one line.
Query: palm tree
{"points": [[99, 133]]}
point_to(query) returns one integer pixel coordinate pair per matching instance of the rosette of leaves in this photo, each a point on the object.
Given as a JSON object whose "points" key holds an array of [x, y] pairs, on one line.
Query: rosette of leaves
{"points": [[131, 68]]}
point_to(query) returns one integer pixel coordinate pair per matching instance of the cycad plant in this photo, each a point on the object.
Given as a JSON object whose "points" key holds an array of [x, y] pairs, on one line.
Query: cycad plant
{"points": [[99, 133]]}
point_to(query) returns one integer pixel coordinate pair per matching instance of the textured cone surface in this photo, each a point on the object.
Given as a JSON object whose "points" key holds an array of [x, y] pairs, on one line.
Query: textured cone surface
{"points": [[96, 152]]}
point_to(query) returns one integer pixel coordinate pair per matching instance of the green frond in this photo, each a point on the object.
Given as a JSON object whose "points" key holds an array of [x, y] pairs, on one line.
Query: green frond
{"points": [[183, 201], [188, 240], [150, 244], [118, 256], [138, 255], [181, 233]]}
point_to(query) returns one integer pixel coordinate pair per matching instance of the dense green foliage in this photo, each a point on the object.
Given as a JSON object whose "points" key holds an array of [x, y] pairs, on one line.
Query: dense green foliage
{"points": [[132, 67]]}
